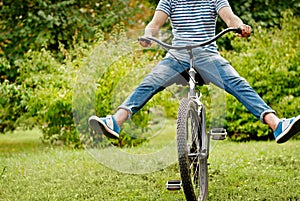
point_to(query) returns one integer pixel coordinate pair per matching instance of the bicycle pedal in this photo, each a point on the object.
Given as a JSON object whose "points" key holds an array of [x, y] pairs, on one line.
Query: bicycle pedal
{"points": [[173, 185], [218, 133]]}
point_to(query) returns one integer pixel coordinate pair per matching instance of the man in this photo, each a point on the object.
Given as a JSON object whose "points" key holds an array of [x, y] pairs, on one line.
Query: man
{"points": [[194, 21]]}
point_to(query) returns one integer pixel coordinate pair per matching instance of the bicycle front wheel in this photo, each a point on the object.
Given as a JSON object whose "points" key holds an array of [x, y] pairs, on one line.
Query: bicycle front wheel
{"points": [[192, 163]]}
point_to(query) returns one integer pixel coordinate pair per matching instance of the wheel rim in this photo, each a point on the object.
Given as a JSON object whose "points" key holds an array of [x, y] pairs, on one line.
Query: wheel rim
{"points": [[194, 149]]}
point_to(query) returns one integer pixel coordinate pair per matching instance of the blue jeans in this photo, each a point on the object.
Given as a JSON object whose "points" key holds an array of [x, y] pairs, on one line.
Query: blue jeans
{"points": [[212, 68]]}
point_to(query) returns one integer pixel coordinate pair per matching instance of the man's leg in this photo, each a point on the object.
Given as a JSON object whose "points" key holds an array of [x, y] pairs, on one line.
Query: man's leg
{"points": [[121, 116], [217, 70], [163, 75], [271, 120]]}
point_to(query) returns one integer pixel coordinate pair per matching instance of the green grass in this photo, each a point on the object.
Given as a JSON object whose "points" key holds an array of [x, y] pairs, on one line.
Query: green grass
{"points": [[30, 170]]}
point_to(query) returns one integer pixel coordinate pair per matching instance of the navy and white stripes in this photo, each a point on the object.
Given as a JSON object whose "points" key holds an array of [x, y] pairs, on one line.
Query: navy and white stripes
{"points": [[192, 21]]}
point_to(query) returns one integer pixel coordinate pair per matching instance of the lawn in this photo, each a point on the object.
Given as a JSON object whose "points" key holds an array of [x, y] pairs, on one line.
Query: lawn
{"points": [[30, 170]]}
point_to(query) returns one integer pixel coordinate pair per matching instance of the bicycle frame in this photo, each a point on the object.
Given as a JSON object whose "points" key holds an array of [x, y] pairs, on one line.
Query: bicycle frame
{"points": [[193, 95], [192, 77]]}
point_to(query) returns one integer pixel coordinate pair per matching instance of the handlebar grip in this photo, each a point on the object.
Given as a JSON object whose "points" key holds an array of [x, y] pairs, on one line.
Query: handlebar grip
{"points": [[238, 30], [144, 39]]}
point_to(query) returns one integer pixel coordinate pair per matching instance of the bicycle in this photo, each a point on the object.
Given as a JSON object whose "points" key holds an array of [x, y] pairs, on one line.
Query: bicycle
{"points": [[193, 140]]}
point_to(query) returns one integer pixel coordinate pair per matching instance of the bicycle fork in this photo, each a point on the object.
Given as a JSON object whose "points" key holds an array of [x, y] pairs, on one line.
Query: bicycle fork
{"points": [[192, 83], [201, 110], [192, 75]]}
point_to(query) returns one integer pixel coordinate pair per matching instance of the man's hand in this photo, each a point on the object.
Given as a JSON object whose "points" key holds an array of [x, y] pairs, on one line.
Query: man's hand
{"points": [[246, 30], [234, 21]]}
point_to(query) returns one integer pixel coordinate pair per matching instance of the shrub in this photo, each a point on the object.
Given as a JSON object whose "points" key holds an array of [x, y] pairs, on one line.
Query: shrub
{"points": [[30, 25], [11, 105], [49, 103], [59, 96]]}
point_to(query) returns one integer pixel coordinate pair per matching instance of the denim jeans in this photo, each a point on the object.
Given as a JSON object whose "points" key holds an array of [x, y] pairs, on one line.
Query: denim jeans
{"points": [[212, 67]]}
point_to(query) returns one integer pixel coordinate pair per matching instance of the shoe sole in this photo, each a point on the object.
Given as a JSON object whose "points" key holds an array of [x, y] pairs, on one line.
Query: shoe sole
{"points": [[293, 129], [100, 127]]}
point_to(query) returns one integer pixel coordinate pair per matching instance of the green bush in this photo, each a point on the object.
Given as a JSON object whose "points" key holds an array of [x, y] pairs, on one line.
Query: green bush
{"points": [[29, 25], [59, 96], [49, 104], [11, 105]]}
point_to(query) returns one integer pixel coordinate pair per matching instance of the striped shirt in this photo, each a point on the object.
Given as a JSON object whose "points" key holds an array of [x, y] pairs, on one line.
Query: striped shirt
{"points": [[192, 21]]}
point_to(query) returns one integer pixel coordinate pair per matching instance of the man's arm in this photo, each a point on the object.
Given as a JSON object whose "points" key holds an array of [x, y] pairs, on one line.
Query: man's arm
{"points": [[154, 26], [234, 21]]}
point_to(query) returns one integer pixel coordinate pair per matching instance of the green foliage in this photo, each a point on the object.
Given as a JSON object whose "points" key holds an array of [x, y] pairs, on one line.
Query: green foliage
{"points": [[266, 13], [270, 63], [11, 105], [50, 100], [53, 91], [46, 98], [261, 13], [29, 25]]}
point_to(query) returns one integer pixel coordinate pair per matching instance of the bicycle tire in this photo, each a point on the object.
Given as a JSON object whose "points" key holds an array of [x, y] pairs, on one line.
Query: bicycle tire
{"points": [[193, 170]]}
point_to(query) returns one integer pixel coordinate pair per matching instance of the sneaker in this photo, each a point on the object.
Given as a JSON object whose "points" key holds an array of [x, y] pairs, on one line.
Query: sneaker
{"points": [[107, 126], [286, 129]]}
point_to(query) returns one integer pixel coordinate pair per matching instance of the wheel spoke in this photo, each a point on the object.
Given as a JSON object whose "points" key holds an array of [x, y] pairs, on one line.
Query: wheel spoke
{"points": [[195, 174], [192, 162]]}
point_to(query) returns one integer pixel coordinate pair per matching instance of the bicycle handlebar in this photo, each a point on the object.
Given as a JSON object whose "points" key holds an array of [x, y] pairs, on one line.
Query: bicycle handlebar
{"points": [[165, 45]]}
